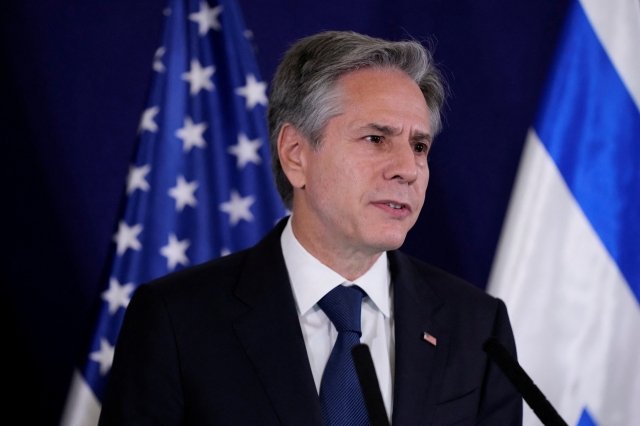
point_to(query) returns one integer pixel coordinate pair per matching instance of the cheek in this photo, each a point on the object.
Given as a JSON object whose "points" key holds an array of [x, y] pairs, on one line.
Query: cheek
{"points": [[426, 178], [423, 183], [329, 186], [344, 176]]}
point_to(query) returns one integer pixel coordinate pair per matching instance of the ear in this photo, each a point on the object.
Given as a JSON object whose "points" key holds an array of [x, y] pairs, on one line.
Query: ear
{"points": [[291, 151]]}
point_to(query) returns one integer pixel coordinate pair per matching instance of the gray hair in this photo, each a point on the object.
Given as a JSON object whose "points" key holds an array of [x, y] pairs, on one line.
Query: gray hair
{"points": [[303, 90]]}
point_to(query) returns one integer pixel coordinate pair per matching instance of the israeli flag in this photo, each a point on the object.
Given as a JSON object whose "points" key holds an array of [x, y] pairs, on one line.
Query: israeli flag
{"points": [[568, 262]]}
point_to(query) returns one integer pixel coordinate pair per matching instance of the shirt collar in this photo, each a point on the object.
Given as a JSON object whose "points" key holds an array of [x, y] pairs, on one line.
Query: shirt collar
{"points": [[311, 279]]}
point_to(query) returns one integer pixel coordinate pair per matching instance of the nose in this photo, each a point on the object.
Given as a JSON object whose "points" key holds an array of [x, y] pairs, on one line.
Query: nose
{"points": [[402, 164]]}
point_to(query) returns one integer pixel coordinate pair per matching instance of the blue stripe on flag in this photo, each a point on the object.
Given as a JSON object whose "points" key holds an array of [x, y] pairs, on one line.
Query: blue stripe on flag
{"points": [[591, 128], [586, 420]]}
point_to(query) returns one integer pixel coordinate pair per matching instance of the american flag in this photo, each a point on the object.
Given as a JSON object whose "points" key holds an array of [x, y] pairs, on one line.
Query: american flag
{"points": [[429, 338], [200, 185]]}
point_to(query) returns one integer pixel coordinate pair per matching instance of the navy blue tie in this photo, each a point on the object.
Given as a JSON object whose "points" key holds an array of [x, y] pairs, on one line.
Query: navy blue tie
{"points": [[341, 399]]}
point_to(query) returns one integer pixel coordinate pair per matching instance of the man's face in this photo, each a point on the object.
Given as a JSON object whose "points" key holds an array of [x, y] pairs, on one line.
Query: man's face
{"points": [[365, 185]]}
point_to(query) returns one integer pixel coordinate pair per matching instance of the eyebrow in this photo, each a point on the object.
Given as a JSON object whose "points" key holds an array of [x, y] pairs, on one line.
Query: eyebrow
{"points": [[390, 130], [385, 130]]}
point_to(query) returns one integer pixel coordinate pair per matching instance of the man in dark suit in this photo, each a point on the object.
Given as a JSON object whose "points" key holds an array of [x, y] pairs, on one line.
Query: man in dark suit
{"points": [[259, 337]]}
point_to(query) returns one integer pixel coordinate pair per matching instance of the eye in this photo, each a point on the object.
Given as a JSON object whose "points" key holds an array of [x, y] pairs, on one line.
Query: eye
{"points": [[374, 138], [421, 148]]}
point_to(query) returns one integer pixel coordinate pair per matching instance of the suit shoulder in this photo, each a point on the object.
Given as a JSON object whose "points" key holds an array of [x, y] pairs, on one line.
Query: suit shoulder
{"points": [[450, 287], [223, 272]]}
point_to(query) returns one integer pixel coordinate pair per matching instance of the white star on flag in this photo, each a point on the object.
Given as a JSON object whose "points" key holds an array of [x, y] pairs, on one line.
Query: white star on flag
{"points": [[175, 252], [199, 78], [191, 134], [254, 91], [157, 59], [127, 237], [207, 18], [137, 178], [104, 356], [225, 252], [147, 120], [117, 295], [246, 150], [238, 207], [183, 193]]}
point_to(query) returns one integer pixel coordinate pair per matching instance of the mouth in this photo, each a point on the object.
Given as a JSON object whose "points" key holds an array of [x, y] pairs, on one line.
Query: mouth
{"points": [[394, 206]]}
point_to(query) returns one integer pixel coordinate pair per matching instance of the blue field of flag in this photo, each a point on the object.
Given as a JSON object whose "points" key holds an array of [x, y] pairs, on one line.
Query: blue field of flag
{"points": [[200, 185]]}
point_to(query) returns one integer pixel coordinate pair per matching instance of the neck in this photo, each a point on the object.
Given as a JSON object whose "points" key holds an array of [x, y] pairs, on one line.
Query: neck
{"points": [[349, 262]]}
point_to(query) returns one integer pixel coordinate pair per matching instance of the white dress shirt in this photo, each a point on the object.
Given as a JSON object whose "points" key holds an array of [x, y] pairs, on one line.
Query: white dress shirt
{"points": [[311, 280]]}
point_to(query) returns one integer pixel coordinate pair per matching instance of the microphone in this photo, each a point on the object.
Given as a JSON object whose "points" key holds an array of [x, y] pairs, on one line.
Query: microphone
{"points": [[369, 385], [522, 382]]}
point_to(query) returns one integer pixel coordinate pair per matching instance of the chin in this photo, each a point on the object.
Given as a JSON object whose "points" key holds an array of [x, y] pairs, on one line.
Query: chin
{"points": [[386, 241]]}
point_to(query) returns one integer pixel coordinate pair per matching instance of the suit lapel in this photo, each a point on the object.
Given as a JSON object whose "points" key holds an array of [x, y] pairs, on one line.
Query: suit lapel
{"points": [[271, 336], [419, 365]]}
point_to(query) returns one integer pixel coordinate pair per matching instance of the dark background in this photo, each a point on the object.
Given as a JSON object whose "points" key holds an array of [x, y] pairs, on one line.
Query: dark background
{"points": [[73, 82]]}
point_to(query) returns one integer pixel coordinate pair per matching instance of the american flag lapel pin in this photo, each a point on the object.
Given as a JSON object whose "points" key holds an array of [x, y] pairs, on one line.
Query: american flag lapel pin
{"points": [[429, 338]]}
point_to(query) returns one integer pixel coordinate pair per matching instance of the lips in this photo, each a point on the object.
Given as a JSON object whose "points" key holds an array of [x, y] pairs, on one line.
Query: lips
{"points": [[395, 205]]}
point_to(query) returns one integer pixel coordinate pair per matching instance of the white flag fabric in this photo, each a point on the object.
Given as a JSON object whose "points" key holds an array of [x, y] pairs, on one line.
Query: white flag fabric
{"points": [[568, 262]]}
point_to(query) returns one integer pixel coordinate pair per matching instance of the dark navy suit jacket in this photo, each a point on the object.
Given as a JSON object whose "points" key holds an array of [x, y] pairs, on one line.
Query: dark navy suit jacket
{"points": [[221, 344]]}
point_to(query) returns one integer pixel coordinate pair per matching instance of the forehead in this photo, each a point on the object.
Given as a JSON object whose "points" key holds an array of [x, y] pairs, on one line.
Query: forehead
{"points": [[388, 96]]}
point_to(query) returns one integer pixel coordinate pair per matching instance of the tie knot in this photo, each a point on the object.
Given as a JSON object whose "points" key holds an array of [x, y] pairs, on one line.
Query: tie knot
{"points": [[343, 306]]}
